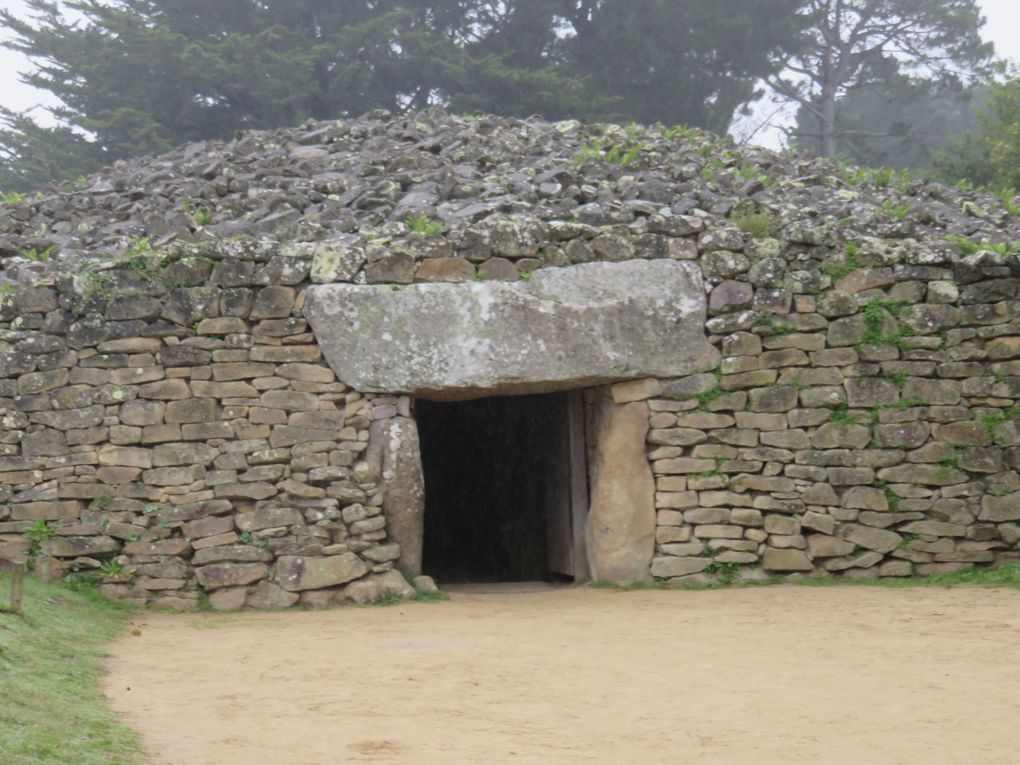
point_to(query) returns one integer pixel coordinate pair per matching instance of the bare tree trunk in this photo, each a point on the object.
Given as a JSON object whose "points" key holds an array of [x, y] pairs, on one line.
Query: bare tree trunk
{"points": [[828, 122]]}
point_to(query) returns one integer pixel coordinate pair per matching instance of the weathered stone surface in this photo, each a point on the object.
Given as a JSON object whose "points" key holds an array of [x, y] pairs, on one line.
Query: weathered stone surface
{"points": [[786, 560], [397, 457], [75, 547], [878, 540], [295, 573], [1000, 509], [565, 327], [822, 546], [620, 534], [668, 567], [269, 597], [230, 574]]}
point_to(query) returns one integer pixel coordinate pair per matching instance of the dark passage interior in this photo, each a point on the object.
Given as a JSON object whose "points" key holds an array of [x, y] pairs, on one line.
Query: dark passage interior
{"points": [[497, 489]]}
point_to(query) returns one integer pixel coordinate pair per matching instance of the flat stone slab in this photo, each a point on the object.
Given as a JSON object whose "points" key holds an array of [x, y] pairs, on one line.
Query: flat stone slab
{"points": [[565, 328]]}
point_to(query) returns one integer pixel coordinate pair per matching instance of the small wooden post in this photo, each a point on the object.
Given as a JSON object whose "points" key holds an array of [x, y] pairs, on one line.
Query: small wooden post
{"points": [[17, 586], [44, 562]]}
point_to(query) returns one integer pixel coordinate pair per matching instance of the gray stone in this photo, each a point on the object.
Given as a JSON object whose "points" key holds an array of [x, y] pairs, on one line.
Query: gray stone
{"points": [[823, 546], [786, 560], [269, 597], [589, 324], [667, 567], [620, 534], [230, 574], [395, 455], [296, 573], [878, 540], [1000, 509]]}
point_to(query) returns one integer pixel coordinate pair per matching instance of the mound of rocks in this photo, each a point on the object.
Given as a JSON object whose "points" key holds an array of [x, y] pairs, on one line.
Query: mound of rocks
{"points": [[169, 420]]}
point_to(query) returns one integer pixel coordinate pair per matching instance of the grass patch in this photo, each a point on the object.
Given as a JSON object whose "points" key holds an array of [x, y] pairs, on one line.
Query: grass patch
{"points": [[1007, 575], [875, 314], [51, 709], [759, 224], [424, 226], [429, 596], [841, 415], [837, 271]]}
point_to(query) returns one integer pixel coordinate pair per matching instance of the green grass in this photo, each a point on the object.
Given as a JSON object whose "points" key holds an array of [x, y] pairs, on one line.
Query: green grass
{"points": [[424, 226], [837, 271], [1005, 576], [760, 225], [51, 709]]}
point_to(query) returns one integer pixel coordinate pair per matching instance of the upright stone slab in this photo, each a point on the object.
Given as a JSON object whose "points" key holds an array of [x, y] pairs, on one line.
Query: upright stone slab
{"points": [[565, 328], [621, 523], [397, 455]]}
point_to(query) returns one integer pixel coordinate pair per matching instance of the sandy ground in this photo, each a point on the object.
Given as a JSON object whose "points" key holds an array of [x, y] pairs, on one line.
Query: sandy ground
{"points": [[785, 675]]}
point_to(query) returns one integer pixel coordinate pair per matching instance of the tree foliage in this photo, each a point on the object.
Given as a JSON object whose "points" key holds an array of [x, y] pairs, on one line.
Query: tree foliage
{"points": [[140, 76], [857, 43], [990, 155], [902, 123]]}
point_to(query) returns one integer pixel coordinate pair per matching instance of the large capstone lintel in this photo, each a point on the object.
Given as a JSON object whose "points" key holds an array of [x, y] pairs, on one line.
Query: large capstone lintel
{"points": [[565, 328]]}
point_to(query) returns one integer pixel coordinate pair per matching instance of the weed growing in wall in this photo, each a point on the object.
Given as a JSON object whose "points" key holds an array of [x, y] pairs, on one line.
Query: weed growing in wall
{"points": [[424, 226]]}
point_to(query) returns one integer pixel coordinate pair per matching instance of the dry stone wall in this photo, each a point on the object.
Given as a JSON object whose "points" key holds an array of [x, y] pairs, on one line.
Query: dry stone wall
{"points": [[170, 424], [866, 427], [191, 440]]}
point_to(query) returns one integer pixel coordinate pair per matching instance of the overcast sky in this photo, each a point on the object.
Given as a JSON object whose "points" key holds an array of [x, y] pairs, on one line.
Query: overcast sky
{"points": [[1003, 28]]}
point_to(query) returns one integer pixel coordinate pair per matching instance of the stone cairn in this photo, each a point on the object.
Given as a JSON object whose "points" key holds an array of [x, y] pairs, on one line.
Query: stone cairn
{"points": [[168, 421]]}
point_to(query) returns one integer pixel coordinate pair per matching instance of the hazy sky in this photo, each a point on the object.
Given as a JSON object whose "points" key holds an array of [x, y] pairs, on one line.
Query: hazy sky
{"points": [[1002, 29]]}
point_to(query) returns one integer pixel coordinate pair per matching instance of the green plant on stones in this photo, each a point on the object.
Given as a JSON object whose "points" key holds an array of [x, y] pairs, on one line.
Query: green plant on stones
{"points": [[97, 285], [245, 537], [526, 276], [968, 246], [101, 503], [707, 397], [388, 598], [714, 472], [836, 271], [38, 256], [199, 215], [991, 422], [431, 596], [727, 573], [13, 197], [623, 156], [892, 498], [759, 224], [590, 149], [875, 314], [777, 328], [36, 534], [688, 132], [946, 466], [840, 415], [111, 568], [620, 154], [424, 226], [895, 211], [907, 539], [7, 290], [1008, 199]]}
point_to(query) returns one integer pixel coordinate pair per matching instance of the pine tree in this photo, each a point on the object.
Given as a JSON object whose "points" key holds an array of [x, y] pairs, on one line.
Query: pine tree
{"points": [[855, 43], [141, 76]]}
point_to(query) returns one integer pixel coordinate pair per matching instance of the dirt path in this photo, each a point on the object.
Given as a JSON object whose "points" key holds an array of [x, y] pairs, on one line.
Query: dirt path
{"points": [[785, 675]]}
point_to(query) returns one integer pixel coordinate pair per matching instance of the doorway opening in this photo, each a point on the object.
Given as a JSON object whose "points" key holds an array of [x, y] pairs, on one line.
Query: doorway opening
{"points": [[503, 497]]}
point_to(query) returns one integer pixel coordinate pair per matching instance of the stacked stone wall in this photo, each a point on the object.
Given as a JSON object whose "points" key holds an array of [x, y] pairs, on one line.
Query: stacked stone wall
{"points": [[863, 422], [190, 440], [168, 421]]}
